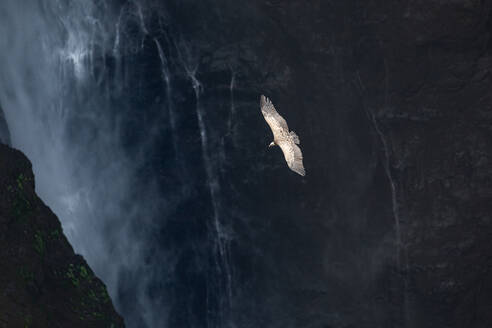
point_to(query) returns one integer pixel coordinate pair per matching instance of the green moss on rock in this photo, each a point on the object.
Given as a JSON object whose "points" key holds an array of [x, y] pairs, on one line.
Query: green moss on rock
{"points": [[44, 283]]}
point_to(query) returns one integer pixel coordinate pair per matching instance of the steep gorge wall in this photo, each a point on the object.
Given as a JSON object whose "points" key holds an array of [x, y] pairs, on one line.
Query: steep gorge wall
{"points": [[392, 102], [435, 110]]}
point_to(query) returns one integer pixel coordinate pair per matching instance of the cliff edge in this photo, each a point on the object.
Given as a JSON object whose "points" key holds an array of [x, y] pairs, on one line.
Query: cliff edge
{"points": [[43, 283]]}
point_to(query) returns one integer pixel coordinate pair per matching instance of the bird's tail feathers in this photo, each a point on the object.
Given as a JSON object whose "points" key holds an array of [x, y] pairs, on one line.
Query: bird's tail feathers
{"points": [[294, 137], [264, 101]]}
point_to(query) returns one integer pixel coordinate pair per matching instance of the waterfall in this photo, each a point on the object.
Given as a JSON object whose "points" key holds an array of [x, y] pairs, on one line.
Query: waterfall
{"points": [[141, 17], [169, 102], [231, 124], [392, 184], [387, 170], [60, 98], [395, 206], [232, 107], [67, 86], [221, 237], [117, 39]]}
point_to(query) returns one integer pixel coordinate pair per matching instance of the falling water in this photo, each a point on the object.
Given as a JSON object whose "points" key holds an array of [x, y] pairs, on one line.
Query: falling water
{"points": [[387, 170], [232, 111], [169, 102], [61, 94], [67, 85], [117, 39], [141, 17], [391, 181], [221, 236], [395, 206]]}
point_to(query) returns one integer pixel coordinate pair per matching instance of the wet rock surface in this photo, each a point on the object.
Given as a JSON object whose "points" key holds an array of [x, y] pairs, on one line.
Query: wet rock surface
{"points": [[43, 283], [435, 112]]}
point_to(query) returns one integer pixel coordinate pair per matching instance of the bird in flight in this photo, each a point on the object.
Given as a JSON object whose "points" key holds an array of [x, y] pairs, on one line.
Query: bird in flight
{"points": [[287, 140]]}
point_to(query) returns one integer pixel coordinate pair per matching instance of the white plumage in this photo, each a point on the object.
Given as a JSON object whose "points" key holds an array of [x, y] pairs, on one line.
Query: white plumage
{"points": [[287, 140]]}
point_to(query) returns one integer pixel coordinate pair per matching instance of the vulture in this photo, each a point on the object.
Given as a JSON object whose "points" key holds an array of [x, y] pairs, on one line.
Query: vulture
{"points": [[287, 140]]}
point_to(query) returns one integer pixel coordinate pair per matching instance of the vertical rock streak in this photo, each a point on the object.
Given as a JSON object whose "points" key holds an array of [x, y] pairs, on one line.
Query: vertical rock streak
{"points": [[392, 184], [400, 250]]}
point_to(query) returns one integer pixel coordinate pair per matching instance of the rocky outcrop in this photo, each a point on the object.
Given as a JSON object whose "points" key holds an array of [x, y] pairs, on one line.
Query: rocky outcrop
{"points": [[4, 129], [43, 283]]}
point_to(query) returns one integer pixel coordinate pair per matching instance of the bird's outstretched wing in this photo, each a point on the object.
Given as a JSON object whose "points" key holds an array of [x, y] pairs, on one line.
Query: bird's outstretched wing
{"points": [[276, 122], [293, 156]]}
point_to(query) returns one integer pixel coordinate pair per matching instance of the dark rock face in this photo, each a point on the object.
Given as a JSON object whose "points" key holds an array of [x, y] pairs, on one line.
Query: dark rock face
{"points": [[42, 282], [391, 227], [435, 111], [4, 129]]}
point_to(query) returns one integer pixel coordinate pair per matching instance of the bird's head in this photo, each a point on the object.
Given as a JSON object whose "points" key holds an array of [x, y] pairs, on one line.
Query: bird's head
{"points": [[271, 144]]}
